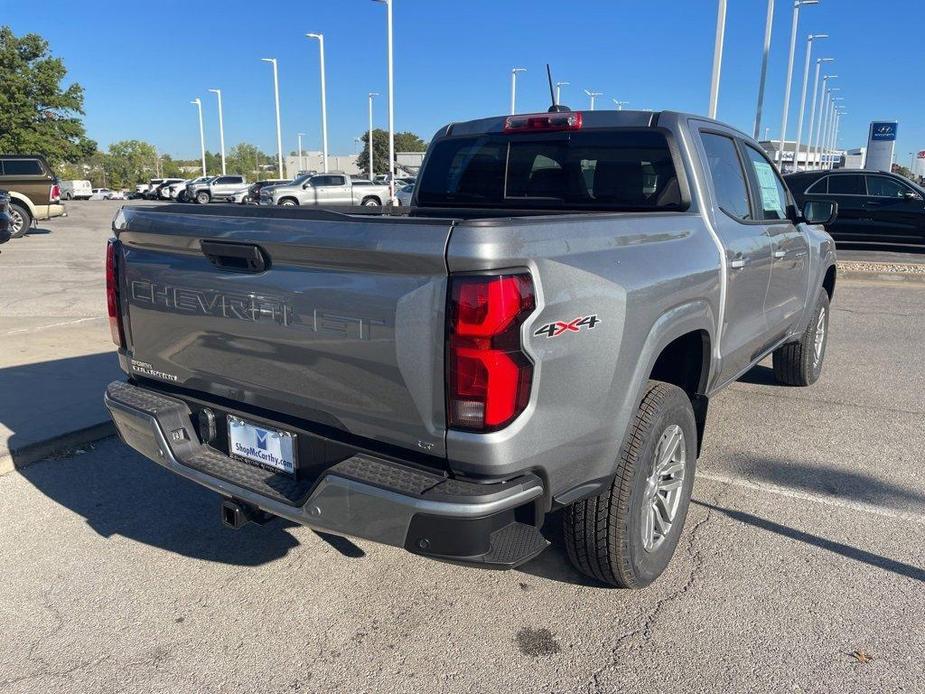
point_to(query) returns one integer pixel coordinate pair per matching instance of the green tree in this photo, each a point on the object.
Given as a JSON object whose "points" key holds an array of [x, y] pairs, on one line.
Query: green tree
{"points": [[404, 142], [244, 158], [130, 162], [38, 116]]}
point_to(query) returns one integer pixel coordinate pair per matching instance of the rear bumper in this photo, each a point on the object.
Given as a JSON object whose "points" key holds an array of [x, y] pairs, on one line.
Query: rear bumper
{"points": [[492, 525]]}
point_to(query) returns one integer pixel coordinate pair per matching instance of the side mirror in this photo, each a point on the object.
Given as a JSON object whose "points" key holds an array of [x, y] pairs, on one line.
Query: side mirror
{"points": [[820, 211], [909, 195]]}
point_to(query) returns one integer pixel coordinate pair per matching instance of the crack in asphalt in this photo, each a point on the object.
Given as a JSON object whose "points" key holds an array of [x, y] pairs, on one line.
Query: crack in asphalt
{"points": [[652, 615]]}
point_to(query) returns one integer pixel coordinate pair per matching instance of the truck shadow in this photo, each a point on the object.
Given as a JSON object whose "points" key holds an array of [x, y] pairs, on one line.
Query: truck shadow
{"points": [[118, 492]]}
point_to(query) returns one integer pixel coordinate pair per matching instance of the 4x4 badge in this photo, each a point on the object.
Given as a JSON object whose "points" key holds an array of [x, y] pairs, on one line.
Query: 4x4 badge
{"points": [[561, 327]]}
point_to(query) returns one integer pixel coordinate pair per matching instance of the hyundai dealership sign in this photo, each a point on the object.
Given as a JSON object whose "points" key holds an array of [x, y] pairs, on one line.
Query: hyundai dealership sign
{"points": [[880, 142]]}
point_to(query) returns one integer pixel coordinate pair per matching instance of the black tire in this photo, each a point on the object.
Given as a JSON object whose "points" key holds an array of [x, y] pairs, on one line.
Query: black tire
{"points": [[22, 220], [203, 197], [181, 196], [604, 534], [288, 202], [371, 202], [799, 363]]}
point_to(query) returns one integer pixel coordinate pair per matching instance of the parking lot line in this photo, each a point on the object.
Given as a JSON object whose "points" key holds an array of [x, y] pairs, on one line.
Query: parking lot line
{"points": [[816, 498]]}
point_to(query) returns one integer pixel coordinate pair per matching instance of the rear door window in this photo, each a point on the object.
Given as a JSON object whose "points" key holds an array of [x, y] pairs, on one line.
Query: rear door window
{"points": [[22, 167], [820, 186], [847, 184], [728, 176]]}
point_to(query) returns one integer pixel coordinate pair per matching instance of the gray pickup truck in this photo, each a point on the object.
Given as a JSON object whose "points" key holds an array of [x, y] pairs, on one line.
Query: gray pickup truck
{"points": [[325, 189], [215, 189], [542, 332]]}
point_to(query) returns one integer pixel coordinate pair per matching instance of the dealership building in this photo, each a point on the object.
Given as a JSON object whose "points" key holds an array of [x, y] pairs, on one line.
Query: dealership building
{"points": [[807, 158]]}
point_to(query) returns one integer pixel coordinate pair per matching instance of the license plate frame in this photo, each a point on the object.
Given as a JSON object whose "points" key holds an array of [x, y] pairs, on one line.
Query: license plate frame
{"points": [[266, 447]]}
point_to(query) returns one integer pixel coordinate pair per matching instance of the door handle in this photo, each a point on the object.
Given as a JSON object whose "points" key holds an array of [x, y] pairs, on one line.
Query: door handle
{"points": [[779, 254], [738, 263]]}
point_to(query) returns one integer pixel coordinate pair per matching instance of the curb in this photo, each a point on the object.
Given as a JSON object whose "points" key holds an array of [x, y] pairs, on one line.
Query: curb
{"points": [[34, 452], [881, 276]]}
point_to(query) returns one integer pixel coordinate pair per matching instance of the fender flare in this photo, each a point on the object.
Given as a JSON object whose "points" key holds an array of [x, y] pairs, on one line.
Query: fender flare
{"points": [[27, 203]]}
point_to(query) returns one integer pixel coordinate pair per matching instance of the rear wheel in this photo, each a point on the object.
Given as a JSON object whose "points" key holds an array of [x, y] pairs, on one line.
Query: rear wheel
{"points": [[203, 197], [627, 535], [181, 196], [800, 363], [371, 202], [21, 219]]}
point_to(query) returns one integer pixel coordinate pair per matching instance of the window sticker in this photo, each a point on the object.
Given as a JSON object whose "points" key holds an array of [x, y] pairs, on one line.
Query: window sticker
{"points": [[770, 196]]}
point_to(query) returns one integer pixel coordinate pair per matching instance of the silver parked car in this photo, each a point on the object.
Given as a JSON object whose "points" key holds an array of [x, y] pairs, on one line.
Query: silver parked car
{"points": [[326, 189]]}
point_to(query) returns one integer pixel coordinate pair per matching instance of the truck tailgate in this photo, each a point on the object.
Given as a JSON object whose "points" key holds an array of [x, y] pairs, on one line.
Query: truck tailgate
{"points": [[343, 326]]}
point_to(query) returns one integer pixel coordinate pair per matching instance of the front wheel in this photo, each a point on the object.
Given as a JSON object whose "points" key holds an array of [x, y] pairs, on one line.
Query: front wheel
{"points": [[21, 220], [288, 202], [626, 536], [203, 198], [800, 363]]}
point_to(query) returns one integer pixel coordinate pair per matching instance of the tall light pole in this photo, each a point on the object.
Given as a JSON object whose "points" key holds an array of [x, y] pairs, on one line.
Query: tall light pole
{"points": [[797, 4], [372, 171], [301, 160], [279, 130], [202, 134], [514, 71], [809, 50], [823, 103], [768, 25], [324, 103], [592, 95], [812, 111], [559, 86], [832, 125], [717, 57], [837, 129], [912, 165], [388, 7], [620, 104], [221, 126], [827, 117]]}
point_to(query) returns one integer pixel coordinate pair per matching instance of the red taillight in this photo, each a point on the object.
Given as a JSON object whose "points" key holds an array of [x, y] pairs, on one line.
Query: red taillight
{"points": [[112, 295], [55, 194], [488, 374], [547, 122]]}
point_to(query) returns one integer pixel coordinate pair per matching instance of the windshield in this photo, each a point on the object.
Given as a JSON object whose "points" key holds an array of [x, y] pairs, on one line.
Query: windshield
{"points": [[614, 169], [299, 180]]}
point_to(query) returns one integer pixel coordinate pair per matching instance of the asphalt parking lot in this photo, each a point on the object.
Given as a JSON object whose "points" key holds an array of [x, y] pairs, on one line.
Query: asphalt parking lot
{"points": [[802, 566]]}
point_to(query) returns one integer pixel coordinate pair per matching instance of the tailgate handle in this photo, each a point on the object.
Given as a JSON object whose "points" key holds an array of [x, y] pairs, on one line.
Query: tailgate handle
{"points": [[238, 257]]}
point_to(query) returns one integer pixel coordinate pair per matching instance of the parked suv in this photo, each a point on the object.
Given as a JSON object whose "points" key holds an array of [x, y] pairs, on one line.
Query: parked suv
{"points": [[873, 206], [33, 188]]}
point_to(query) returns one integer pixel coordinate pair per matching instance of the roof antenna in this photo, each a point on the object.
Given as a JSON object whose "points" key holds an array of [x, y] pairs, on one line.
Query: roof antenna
{"points": [[555, 108]]}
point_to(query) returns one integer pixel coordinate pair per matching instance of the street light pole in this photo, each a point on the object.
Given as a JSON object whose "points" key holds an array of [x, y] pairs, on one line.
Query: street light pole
{"points": [[832, 125], [372, 172], [559, 85], [797, 4], [823, 104], [221, 126], [809, 50], [279, 130], [593, 95], [768, 25], [717, 57], [829, 108], [202, 134], [812, 111], [514, 72], [301, 160], [620, 104], [324, 103], [392, 199]]}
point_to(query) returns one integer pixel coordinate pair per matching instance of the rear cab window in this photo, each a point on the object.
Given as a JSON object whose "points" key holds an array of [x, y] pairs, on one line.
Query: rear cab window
{"points": [[22, 167], [630, 169]]}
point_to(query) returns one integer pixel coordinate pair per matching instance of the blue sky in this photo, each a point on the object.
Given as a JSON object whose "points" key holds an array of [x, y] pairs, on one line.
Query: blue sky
{"points": [[141, 65]]}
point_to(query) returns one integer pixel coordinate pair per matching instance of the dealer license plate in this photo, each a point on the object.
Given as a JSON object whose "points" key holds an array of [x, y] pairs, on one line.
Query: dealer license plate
{"points": [[269, 448]]}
